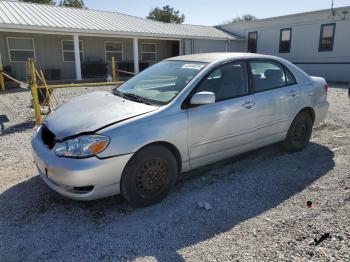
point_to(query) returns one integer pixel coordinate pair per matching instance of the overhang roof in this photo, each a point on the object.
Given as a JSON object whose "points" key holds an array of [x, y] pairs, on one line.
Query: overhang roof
{"points": [[15, 15]]}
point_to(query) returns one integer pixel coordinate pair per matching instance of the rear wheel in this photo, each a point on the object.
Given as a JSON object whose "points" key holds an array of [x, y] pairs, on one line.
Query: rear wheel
{"points": [[149, 176], [299, 132]]}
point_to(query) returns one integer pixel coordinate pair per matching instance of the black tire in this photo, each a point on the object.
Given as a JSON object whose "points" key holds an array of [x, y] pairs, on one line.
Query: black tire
{"points": [[299, 133], [149, 176]]}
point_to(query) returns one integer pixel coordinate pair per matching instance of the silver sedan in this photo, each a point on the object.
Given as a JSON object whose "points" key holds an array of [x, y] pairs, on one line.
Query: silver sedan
{"points": [[180, 114]]}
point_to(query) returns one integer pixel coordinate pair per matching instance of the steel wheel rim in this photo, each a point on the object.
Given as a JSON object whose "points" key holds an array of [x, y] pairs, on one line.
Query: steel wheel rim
{"points": [[152, 178]]}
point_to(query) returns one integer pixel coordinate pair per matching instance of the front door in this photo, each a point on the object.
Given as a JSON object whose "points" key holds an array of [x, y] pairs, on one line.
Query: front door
{"points": [[217, 131]]}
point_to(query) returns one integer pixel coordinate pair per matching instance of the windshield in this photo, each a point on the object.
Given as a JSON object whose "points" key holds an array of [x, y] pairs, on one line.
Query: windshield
{"points": [[160, 83]]}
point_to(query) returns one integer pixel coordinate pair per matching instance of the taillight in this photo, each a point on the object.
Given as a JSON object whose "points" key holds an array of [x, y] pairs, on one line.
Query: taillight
{"points": [[326, 88]]}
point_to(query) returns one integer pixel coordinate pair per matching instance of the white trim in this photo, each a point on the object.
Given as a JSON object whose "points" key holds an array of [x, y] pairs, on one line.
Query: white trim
{"points": [[180, 48], [71, 51], [135, 45], [117, 42], [77, 61], [155, 52], [262, 20], [88, 32], [11, 49]]}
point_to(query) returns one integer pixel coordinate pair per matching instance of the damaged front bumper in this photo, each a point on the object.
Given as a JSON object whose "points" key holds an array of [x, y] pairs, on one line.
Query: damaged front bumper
{"points": [[80, 179]]}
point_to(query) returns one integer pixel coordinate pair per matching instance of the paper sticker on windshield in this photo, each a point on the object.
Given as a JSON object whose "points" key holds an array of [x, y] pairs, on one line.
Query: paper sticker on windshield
{"points": [[192, 66]]}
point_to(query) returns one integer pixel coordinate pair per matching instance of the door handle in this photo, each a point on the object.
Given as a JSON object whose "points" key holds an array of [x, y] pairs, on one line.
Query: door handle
{"points": [[248, 104]]}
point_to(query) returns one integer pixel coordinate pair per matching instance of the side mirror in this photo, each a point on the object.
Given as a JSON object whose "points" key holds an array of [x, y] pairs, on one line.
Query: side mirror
{"points": [[203, 98]]}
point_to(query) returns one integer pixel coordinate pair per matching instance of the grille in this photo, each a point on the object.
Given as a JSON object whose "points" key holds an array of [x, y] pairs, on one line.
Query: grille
{"points": [[48, 137]]}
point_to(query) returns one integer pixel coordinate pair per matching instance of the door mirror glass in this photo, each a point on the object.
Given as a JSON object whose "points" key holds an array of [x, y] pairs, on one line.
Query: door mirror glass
{"points": [[203, 98]]}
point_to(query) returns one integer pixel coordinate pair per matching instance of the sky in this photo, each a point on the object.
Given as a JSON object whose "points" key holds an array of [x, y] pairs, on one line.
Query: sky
{"points": [[213, 12]]}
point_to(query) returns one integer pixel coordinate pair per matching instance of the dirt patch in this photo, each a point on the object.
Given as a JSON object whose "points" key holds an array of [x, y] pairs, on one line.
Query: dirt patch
{"points": [[258, 211]]}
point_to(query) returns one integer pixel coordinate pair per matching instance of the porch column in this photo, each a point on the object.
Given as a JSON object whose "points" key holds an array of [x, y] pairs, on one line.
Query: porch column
{"points": [[2, 80], [136, 55], [181, 47], [77, 57]]}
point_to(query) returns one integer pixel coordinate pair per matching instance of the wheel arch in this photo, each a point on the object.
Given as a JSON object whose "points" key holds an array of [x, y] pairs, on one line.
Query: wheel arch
{"points": [[308, 110], [171, 147]]}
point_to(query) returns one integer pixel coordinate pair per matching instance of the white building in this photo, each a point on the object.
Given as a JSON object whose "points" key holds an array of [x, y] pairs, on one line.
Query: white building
{"points": [[70, 43], [318, 42]]}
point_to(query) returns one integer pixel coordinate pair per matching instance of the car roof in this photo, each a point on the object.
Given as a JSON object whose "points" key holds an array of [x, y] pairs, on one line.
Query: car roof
{"points": [[212, 57]]}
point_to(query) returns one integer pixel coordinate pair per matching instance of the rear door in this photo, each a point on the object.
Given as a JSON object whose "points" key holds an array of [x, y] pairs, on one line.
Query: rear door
{"points": [[276, 97], [219, 130]]}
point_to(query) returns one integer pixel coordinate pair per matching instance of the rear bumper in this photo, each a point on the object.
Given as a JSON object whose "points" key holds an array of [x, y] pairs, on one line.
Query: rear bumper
{"points": [[81, 179], [320, 112]]}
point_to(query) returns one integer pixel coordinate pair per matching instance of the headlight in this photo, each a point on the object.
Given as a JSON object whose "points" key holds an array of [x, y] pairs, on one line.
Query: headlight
{"points": [[37, 129], [83, 146]]}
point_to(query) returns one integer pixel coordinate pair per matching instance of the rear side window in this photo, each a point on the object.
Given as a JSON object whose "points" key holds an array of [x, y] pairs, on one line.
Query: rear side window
{"points": [[269, 75], [227, 81], [290, 79]]}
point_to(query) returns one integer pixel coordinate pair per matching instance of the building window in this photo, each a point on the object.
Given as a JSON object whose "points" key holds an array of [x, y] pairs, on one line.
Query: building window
{"points": [[285, 40], [252, 42], [148, 52], [68, 50], [113, 49], [327, 37], [20, 49]]}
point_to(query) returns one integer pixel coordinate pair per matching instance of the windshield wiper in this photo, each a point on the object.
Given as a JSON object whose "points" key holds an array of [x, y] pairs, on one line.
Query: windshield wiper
{"points": [[137, 98], [118, 93], [132, 97]]}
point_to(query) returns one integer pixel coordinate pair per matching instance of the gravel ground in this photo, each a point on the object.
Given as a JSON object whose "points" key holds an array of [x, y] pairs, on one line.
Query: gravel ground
{"points": [[253, 207]]}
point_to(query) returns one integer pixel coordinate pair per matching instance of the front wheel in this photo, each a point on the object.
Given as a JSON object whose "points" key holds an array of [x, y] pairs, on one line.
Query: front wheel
{"points": [[149, 176], [299, 133]]}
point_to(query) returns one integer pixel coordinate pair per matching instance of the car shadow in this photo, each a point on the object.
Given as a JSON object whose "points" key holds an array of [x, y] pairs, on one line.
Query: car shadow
{"points": [[17, 128], [339, 85], [38, 223]]}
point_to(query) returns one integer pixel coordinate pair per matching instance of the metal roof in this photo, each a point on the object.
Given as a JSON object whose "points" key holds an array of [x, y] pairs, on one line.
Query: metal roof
{"points": [[16, 15]]}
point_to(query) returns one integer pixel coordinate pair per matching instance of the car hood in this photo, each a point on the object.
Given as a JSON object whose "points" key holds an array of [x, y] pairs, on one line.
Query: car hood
{"points": [[88, 113]]}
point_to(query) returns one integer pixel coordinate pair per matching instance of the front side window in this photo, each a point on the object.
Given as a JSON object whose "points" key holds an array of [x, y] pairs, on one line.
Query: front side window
{"points": [[269, 75], [68, 50], [327, 37], [113, 49], [252, 42], [227, 81], [285, 40], [160, 83], [20, 49], [148, 52]]}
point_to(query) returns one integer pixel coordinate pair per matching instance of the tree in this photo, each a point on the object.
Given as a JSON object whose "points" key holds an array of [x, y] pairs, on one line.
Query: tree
{"points": [[73, 3], [47, 2], [167, 15], [244, 18]]}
